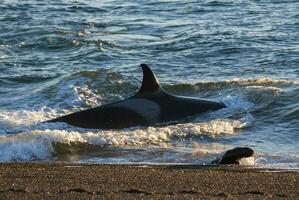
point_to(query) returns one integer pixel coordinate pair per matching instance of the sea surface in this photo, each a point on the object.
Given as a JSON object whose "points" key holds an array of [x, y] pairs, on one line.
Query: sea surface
{"points": [[61, 56]]}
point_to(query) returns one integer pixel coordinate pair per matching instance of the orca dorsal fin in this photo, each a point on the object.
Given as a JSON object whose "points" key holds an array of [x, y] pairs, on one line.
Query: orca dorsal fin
{"points": [[149, 81]]}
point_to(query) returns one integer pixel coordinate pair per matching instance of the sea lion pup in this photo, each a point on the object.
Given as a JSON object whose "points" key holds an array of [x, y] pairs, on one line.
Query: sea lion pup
{"points": [[233, 156]]}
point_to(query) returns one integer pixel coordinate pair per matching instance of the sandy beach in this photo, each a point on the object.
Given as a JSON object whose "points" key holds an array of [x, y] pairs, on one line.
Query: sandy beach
{"points": [[83, 181]]}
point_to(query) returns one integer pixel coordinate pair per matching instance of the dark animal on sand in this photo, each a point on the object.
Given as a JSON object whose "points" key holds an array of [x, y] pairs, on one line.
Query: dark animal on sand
{"points": [[233, 156], [151, 105]]}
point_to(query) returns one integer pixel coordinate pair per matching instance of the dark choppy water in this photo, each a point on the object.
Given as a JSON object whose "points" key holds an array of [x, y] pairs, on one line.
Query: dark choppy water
{"points": [[61, 56]]}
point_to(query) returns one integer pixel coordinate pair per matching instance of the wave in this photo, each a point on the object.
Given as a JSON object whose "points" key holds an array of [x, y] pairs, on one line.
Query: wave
{"points": [[106, 83], [35, 144], [226, 84]]}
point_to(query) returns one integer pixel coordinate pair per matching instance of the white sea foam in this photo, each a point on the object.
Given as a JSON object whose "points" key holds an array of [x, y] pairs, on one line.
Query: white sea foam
{"points": [[14, 119], [260, 81], [247, 161], [24, 148], [86, 95], [3, 56], [36, 142], [75, 93]]}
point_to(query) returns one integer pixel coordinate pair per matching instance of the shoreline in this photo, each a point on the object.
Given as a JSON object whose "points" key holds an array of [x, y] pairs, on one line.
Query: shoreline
{"points": [[127, 181]]}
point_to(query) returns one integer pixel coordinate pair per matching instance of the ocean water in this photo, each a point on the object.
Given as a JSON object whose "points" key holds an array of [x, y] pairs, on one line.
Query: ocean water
{"points": [[57, 57]]}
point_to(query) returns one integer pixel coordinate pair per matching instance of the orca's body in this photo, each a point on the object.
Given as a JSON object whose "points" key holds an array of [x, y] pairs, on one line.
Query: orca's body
{"points": [[149, 106]]}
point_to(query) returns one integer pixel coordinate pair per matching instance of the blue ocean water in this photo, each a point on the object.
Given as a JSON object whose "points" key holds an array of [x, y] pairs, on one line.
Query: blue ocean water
{"points": [[62, 56]]}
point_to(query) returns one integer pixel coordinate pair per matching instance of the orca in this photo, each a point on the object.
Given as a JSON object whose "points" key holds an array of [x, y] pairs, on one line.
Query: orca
{"points": [[151, 105]]}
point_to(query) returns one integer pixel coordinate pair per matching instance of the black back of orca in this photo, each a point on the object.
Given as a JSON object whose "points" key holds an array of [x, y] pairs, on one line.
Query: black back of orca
{"points": [[149, 106]]}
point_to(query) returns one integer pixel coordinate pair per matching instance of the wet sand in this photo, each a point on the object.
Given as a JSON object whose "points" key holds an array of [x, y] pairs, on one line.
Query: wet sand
{"points": [[75, 181]]}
